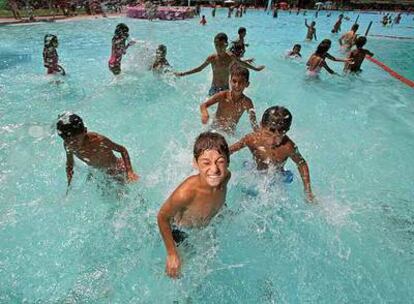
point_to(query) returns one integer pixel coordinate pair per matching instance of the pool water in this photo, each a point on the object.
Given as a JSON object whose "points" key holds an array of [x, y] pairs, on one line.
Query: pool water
{"points": [[96, 245]]}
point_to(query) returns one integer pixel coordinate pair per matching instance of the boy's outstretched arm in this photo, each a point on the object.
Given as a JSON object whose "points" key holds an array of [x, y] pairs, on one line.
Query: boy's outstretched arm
{"points": [[176, 203], [208, 103], [131, 176], [306, 23], [69, 166], [196, 70], [246, 64], [314, 35], [238, 145], [304, 173], [327, 68], [252, 115]]}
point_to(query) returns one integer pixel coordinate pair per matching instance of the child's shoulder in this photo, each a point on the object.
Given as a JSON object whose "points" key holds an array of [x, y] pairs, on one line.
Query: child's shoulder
{"points": [[187, 188]]}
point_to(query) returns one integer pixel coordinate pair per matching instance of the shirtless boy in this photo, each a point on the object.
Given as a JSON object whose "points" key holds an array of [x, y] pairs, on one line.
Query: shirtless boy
{"points": [[92, 148], [357, 56], [271, 147], [337, 26], [231, 103], [311, 30], [347, 40], [221, 63], [196, 200]]}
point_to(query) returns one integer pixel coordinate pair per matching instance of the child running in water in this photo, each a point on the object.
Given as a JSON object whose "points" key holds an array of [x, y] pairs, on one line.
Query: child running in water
{"points": [[271, 147], [231, 104], [311, 30], [197, 199], [203, 20], [238, 47], [357, 56], [160, 64], [50, 55], [119, 47], [347, 40], [221, 62], [337, 26], [92, 148]]}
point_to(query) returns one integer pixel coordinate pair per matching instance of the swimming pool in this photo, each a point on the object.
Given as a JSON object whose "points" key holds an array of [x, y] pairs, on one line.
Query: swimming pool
{"points": [[355, 246]]}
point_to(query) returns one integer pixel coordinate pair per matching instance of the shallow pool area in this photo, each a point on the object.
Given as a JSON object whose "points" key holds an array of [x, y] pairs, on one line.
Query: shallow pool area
{"points": [[94, 245]]}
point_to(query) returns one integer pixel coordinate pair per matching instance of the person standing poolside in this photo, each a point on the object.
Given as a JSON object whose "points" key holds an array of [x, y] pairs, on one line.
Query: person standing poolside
{"points": [[221, 62], [119, 47], [231, 104], [311, 30], [357, 56], [50, 55], [271, 147], [338, 23], [93, 149], [197, 199], [347, 40]]}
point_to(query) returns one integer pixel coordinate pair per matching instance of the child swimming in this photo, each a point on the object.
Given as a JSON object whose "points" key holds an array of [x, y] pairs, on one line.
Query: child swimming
{"points": [[311, 30], [203, 20], [119, 47], [271, 147], [337, 26], [347, 40], [197, 199], [295, 52], [357, 56], [221, 64], [160, 64], [231, 104], [50, 55], [93, 149]]}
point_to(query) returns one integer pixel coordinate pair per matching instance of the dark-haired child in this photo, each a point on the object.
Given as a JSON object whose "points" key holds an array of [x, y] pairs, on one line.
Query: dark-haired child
{"points": [[50, 55], [238, 47], [231, 103], [197, 199], [347, 40], [92, 148], [161, 63], [119, 47], [295, 52], [338, 23], [311, 30], [203, 20], [271, 147], [221, 64], [357, 56]]}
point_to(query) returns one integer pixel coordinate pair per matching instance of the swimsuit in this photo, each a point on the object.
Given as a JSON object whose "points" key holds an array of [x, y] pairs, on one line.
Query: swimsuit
{"points": [[214, 90], [50, 59], [179, 235]]}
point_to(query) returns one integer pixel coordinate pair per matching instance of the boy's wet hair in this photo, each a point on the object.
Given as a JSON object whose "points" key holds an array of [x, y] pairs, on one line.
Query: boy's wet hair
{"points": [[326, 41], [49, 40], [240, 71], [277, 118], [221, 37], [211, 141], [241, 30], [121, 28], [323, 47], [69, 125], [297, 46], [360, 42], [355, 27]]}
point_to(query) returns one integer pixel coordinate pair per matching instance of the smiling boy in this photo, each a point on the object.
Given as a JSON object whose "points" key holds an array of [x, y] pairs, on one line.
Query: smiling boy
{"points": [[197, 199]]}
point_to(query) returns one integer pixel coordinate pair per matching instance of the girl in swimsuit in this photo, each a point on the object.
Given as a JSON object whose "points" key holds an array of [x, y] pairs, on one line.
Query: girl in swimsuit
{"points": [[119, 47], [50, 56]]}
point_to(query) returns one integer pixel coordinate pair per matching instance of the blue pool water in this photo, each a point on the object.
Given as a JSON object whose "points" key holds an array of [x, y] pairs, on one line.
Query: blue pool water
{"points": [[94, 246]]}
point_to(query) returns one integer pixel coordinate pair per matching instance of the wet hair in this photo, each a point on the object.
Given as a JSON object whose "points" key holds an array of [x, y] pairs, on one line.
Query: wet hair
{"points": [[360, 41], [211, 141], [240, 71], [277, 118], [323, 48], [69, 125], [355, 27], [297, 46], [313, 23], [121, 29], [221, 37], [326, 41], [241, 30], [203, 16], [161, 49], [341, 15], [50, 40]]}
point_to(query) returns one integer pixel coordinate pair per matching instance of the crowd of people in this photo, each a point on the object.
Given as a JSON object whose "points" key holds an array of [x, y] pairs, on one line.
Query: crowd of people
{"points": [[200, 197]]}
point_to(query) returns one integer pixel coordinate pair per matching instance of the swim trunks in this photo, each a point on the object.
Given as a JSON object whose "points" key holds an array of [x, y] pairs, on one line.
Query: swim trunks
{"points": [[179, 236], [214, 90]]}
